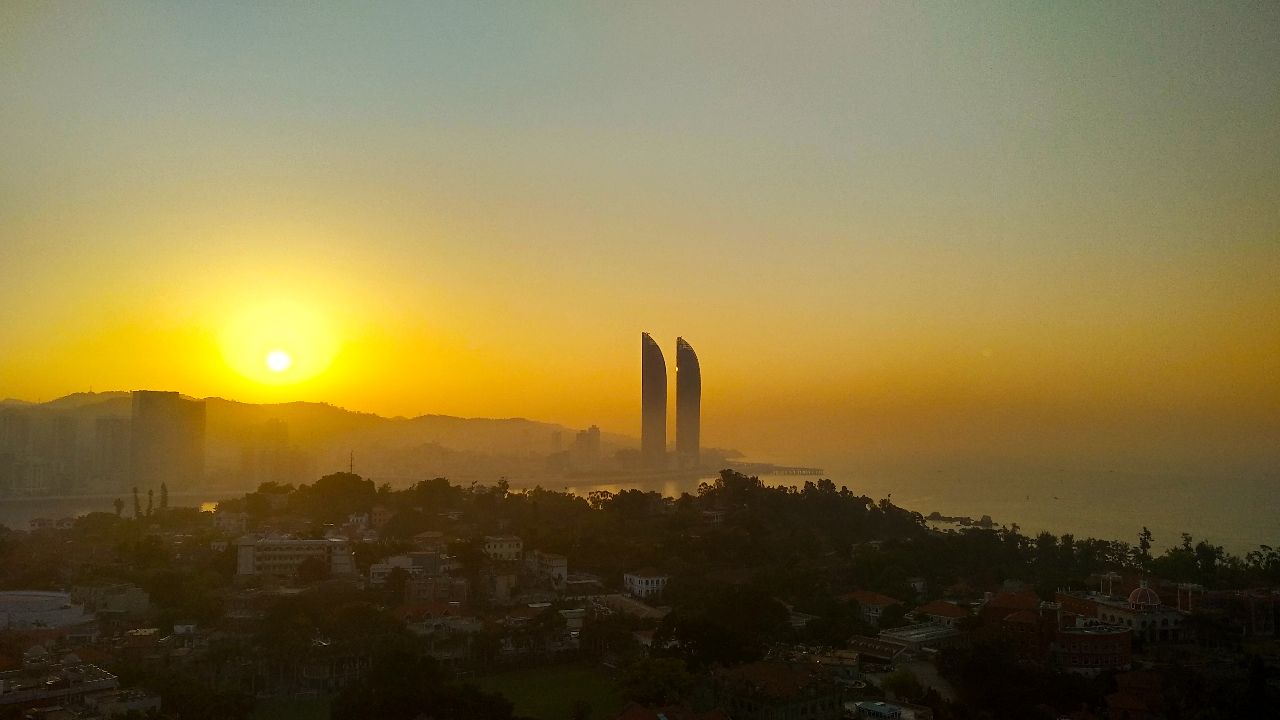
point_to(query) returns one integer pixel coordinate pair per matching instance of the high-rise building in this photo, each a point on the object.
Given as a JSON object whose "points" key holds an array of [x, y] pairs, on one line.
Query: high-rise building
{"points": [[111, 453], [653, 392], [167, 443], [585, 454], [688, 404]]}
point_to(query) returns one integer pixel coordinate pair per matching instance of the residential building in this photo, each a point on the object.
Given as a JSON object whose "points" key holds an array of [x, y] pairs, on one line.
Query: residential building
{"points": [[167, 440], [871, 604], [503, 547], [775, 691], [281, 556], [941, 612], [645, 583], [549, 566], [1090, 647]]}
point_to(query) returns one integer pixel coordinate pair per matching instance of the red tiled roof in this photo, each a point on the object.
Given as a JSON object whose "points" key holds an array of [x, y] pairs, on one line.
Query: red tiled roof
{"points": [[1022, 616], [941, 608], [874, 599], [1015, 601]]}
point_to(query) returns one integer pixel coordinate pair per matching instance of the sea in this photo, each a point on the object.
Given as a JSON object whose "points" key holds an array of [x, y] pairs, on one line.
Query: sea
{"points": [[1239, 515]]}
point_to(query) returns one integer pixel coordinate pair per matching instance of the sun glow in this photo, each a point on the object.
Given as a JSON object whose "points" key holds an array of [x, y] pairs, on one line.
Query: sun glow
{"points": [[279, 360], [278, 343]]}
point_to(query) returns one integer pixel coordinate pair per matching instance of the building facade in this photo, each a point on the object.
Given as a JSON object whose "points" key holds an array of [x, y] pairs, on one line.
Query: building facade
{"points": [[645, 583], [688, 405], [653, 404], [281, 556], [503, 547], [167, 440]]}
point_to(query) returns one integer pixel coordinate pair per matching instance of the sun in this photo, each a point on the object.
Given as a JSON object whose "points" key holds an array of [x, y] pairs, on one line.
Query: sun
{"points": [[279, 361], [279, 342]]}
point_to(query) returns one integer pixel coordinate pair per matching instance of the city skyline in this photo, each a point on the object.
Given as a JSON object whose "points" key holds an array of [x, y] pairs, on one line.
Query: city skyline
{"points": [[960, 237]]}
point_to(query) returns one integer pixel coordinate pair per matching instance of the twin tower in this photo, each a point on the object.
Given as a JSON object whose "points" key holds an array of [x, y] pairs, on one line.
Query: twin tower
{"points": [[653, 391]]}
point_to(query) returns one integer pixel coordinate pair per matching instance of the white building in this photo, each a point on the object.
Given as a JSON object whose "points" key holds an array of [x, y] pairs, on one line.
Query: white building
{"points": [[503, 547], [550, 566], [282, 555], [645, 583], [379, 571]]}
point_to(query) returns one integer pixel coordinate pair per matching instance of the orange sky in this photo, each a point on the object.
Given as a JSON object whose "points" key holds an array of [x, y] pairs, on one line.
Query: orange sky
{"points": [[888, 232]]}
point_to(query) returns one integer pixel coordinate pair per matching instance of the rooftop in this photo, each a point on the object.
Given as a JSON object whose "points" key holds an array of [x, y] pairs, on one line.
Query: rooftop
{"points": [[873, 599], [942, 608]]}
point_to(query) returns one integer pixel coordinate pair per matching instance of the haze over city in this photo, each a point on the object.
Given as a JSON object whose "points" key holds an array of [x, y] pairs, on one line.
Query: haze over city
{"points": [[696, 360], [980, 239]]}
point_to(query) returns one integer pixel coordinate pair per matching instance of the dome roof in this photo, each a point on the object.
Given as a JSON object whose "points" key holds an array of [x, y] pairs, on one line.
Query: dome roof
{"points": [[1144, 597]]}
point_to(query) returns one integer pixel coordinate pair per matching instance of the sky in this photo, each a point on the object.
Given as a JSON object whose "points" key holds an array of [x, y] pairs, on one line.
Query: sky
{"points": [[895, 233]]}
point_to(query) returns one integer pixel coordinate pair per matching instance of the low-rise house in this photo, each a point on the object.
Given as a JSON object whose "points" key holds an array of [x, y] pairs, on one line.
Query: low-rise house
{"points": [[436, 589], [647, 583], [549, 566], [775, 691], [431, 541], [871, 604], [379, 571], [1090, 647], [123, 599], [503, 547], [941, 612]]}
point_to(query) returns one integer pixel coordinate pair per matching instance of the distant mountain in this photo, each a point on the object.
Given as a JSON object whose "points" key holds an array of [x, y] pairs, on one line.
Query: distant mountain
{"points": [[246, 443]]}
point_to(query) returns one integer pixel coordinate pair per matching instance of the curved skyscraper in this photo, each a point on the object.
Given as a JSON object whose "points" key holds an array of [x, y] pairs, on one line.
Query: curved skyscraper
{"points": [[653, 392], [688, 404]]}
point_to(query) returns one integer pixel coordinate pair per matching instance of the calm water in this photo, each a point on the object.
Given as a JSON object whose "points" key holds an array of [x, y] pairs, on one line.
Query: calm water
{"points": [[1111, 505], [15, 513]]}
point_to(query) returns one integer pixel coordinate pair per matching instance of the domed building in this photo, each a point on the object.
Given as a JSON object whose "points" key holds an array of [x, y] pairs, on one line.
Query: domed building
{"points": [[1144, 612], [1144, 598], [1141, 610]]}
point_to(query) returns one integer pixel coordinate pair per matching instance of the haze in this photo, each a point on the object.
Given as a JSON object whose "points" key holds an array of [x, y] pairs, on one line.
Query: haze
{"points": [[901, 236]]}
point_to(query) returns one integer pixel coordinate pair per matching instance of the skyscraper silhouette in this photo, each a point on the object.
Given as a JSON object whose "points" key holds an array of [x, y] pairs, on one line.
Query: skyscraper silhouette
{"points": [[167, 444], [688, 404], [653, 395]]}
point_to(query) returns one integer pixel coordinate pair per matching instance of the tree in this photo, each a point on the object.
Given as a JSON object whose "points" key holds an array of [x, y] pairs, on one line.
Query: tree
{"points": [[401, 685], [904, 685], [164, 497], [893, 616], [1144, 547], [313, 570], [397, 579], [119, 505], [656, 681], [151, 498], [137, 504]]}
